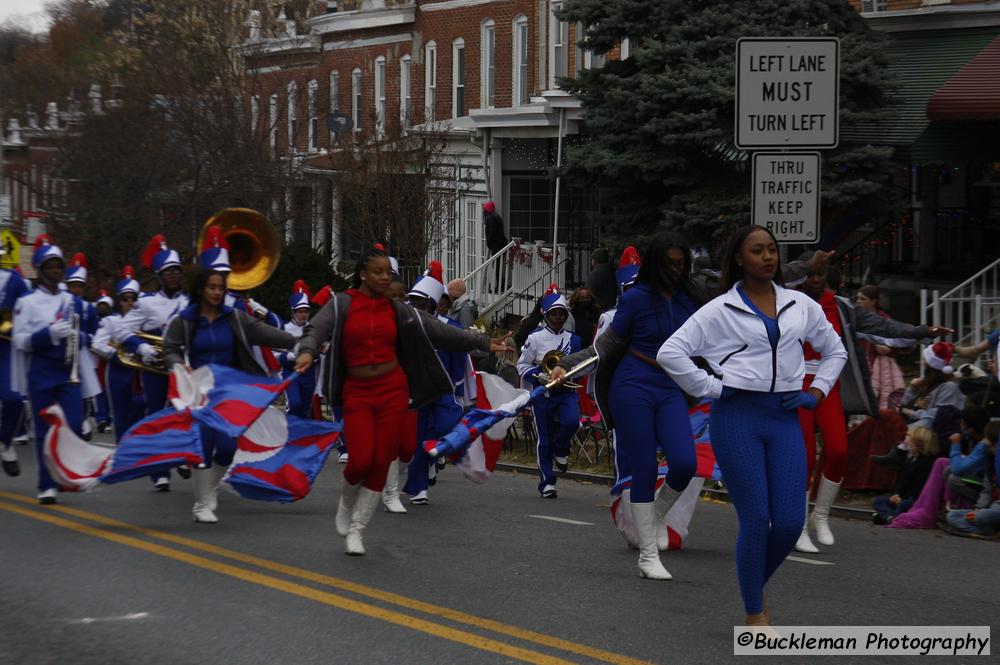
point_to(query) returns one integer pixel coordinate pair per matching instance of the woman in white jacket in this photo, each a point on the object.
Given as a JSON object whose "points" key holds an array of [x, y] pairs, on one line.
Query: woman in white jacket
{"points": [[752, 338]]}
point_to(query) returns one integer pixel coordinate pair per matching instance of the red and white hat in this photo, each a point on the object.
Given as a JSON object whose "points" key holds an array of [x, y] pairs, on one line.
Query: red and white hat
{"points": [[301, 293], [128, 283], [215, 256], [45, 249], [939, 356], [431, 285], [106, 299], [77, 271], [552, 299], [158, 256], [628, 267]]}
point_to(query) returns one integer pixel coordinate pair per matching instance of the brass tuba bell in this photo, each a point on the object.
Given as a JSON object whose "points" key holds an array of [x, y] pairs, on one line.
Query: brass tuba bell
{"points": [[254, 246], [549, 362]]}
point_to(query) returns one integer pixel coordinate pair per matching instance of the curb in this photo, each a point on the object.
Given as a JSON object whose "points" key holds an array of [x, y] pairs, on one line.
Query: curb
{"points": [[846, 512]]}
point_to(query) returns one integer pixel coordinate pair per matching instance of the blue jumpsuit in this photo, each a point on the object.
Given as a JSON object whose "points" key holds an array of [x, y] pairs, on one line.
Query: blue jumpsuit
{"points": [[127, 406], [649, 409]]}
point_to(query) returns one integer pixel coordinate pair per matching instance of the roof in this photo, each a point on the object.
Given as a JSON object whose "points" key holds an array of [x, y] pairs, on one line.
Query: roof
{"points": [[974, 92], [922, 62]]}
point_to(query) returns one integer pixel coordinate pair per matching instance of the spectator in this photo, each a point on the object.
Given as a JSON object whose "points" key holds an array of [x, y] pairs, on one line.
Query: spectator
{"points": [[496, 240], [968, 475], [444, 305], [586, 313], [886, 377], [601, 281], [935, 389], [463, 307], [922, 449], [528, 324]]}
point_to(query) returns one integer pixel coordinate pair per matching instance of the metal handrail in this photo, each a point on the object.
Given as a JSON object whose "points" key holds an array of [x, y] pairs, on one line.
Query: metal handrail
{"points": [[498, 256], [530, 292]]}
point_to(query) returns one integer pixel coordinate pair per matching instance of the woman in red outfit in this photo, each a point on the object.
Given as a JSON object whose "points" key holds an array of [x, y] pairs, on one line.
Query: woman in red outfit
{"points": [[382, 361]]}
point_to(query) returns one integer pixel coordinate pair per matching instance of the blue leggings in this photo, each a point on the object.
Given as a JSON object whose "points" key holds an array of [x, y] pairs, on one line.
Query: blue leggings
{"points": [[759, 447], [650, 413]]}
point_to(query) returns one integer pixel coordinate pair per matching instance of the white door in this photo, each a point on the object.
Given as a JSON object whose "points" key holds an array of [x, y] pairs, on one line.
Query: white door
{"points": [[473, 240]]}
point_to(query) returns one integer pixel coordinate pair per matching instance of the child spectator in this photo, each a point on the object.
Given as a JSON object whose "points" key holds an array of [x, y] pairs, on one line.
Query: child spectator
{"points": [[922, 449]]}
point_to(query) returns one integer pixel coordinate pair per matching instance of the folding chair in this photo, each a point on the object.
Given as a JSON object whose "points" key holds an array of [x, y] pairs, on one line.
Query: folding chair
{"points": [[592, 428]]}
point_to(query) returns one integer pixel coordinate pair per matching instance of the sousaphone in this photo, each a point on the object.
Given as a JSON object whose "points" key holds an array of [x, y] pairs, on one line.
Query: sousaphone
{"points": [[254, 246]]}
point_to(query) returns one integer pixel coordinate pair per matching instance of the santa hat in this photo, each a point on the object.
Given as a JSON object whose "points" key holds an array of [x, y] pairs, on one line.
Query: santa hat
{"points": [[939, 355], [215, 256], [77, 271], [158, 257], [323, 296], [393, 263], [552, 299], [628, 267], [489, 206], [45, 249], [300, 295], [431, 284], [106, 299], [128, 283]]}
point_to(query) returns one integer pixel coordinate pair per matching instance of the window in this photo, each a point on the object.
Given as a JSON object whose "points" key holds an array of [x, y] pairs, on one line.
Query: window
{"points": [[430, 80], [293, 115], [334, 97], [405, 94], [380, 94], [272, 122], [254, 114], [519, 75], [458, 78], [487, 65], [873, 5], [356, 99], [313, 116], [585, 58], [559, 36], [626, 48]]}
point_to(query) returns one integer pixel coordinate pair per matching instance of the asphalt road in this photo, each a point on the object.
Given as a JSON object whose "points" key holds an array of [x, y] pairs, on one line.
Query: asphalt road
{"points": [[123, 575]]}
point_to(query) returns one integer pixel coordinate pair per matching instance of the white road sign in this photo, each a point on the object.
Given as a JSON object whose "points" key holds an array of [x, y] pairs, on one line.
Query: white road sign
{"points": [[787, 92], [786, 195]]}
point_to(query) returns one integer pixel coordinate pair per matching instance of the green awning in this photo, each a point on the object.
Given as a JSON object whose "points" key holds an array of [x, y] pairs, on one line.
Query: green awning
{"points": [[922, 62]]}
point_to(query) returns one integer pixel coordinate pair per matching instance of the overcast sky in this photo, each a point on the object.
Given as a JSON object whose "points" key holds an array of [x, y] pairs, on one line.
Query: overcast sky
{"points": [[31, 10]]}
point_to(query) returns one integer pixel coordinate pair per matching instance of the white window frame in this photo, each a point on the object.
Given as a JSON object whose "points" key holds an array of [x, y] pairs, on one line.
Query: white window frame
{"points": [[254, 114], [625, 49], [520, 60], [558, 38], [272, 118], [313, 91], [405, 91], [293, 111], [458, 79], [430, 80], [380, 95], [334, 97], [488, 64], [356, 98]]}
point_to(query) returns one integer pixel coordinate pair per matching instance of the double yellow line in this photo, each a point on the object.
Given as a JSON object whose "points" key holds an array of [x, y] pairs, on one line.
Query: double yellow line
{"points": [[441, 630]]}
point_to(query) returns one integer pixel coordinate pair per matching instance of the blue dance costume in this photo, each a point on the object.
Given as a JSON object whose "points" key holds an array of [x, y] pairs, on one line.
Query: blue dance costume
{"points": [[212, 343], [649, 408]]}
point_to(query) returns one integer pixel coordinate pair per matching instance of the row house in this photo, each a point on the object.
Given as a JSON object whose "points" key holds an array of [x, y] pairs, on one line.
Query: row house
{"points": [[480, 74]]}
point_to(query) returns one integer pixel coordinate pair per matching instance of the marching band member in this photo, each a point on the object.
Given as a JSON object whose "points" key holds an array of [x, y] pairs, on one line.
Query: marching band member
{"points": [[103, 306], [751, 337], [381, 358], [436, 419], [44, 367], [151, 314], [76, 283], [557, 414], [300, 393], [12, 287], [208, 331], [120, 381]]}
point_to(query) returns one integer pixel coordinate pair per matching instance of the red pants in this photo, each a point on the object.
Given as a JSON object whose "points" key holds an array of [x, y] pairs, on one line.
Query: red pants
{"points": [[374, 411], [829, 417]]}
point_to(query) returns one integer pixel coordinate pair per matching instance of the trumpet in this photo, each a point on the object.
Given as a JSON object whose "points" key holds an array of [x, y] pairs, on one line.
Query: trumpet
{"points": [[73, 351], [549, 362], [134, 361]]}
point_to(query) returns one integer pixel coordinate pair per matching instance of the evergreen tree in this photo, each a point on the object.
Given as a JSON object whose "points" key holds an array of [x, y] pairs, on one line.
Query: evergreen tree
{"points": [[660, 123]]}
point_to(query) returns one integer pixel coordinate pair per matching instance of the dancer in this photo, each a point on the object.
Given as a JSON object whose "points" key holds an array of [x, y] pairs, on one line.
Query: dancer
{"points": [[12, 287], [381, 358], [751, 336], [128, 406], [45, 366], [151, 314], [557, 413], [209, 332]]}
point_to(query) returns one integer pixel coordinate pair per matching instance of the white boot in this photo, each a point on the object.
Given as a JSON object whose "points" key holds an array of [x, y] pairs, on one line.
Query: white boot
{"points": [[390, 495], [364, 507], [205, 483], [664, 501], [821, 513], [348, 495], [804, 543], [649, 556]]}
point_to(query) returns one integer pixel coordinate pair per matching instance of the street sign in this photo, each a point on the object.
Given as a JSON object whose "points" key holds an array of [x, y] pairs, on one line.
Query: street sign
{"points": [[5, 210], [787, 92], [12, 249], [338, 122], [786, 195]]}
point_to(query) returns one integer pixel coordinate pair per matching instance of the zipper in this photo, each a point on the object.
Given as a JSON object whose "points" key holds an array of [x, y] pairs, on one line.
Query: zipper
{"points": [[739, 350], [774, 347]]}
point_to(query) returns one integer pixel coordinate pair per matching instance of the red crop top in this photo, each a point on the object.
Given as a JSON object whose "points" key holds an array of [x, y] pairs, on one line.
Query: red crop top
{"points": [[369, 336]]}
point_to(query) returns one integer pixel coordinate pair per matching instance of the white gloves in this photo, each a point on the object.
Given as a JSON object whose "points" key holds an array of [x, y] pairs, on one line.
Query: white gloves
{"points": [[148, 353], [60, 330], [258, 310]]}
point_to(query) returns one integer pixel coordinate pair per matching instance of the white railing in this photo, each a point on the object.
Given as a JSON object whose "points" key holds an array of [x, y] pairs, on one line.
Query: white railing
{"points": [[971, 309], [508, 276]]}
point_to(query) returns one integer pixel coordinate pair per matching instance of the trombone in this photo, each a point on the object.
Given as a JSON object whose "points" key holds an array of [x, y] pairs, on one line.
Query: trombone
{"points": [[549, 362]]}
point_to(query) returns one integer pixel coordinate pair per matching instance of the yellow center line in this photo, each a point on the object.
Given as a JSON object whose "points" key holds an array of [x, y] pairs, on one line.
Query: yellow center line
{"points": [[353, 587], [325, 597]]}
